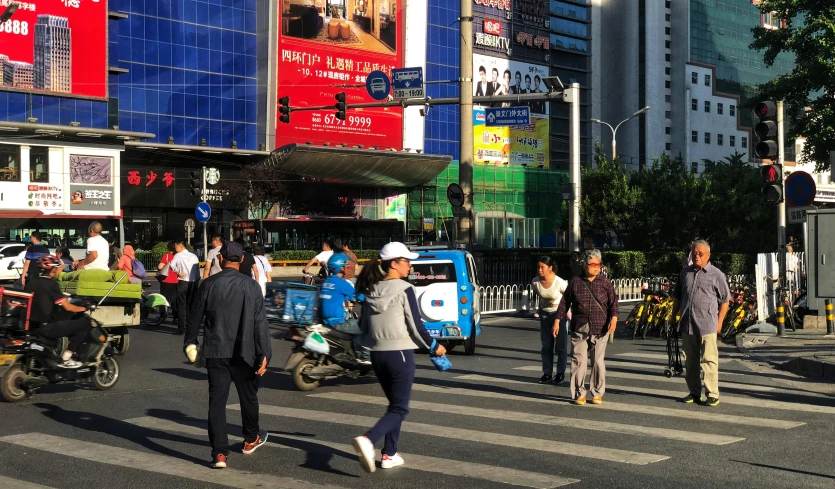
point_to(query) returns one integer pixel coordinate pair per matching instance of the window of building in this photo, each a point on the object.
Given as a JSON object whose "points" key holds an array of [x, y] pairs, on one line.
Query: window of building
{"points": [[731, 141], [720, 139], [667, 4], [668, 84], [668, 130], [668, 115], [732, 111], [9, 163], [569, 27], [667, 57], [707, 80], [694, 77], [667, 70], [744, 142], [694, 104], [667, 17], [694, 136], [772, 20], [668, 146], [668, 98], [569, 43], [707, 138], [39, 164], [668, 44], [667, 31], [694, 167], [707, 105], [568, 10], [719, 108]]}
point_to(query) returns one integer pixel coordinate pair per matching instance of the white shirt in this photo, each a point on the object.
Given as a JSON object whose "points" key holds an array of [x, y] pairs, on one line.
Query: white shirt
{"points": [[264, 268], [323, 257], [186, 262], [549, 299], [102, 249]]}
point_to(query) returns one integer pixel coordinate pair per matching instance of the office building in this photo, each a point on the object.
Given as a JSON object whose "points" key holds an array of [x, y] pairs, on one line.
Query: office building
{"points": [[53, 54], [17, 74]]}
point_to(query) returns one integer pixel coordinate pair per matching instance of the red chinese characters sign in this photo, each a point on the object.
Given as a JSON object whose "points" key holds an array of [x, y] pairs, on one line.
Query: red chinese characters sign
{"points": [[493, 27], [57, 46], [320, 56], [135, 178]]}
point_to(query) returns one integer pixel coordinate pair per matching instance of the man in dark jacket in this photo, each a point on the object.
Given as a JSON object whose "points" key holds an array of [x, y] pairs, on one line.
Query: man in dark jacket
{"points": [[236, 348]]}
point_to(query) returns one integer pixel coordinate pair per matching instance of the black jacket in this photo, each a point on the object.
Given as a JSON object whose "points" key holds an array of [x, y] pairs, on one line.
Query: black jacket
{"points": [[236, 320]]}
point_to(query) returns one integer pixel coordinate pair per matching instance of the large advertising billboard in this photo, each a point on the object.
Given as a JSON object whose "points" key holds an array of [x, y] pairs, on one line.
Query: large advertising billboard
{"points": [[56, 46], [511, 145], [328, 47]]}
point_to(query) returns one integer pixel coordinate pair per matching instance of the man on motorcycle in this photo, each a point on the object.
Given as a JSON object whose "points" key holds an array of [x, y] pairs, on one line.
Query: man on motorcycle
{"points": [[336, 302], [52, 312]]}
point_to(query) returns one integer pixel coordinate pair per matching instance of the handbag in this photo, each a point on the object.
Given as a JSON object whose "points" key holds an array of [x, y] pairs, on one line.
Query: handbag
{"points": [[596, 301]]}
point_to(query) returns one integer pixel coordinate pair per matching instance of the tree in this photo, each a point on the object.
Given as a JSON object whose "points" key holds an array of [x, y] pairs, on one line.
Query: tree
{"points": [[808, 34]]}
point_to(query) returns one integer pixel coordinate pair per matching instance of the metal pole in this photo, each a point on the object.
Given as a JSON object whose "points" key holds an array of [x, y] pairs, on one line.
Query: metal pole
{"points": [[781, 315], [205, 224], [830, 318], [781, 153], [614, 147], [465, 159], [573, 97]]}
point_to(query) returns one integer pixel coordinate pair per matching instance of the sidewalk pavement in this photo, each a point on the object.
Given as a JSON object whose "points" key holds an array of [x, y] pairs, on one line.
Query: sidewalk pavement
{"points": [[808, 353]]}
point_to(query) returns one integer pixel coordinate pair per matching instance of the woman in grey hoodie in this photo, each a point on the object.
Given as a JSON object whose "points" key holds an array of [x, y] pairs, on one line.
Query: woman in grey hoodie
{"points": [[393, 330]]}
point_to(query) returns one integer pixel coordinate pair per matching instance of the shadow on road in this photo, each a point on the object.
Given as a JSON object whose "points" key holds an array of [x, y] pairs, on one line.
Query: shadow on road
{"points": [[785, 469]]}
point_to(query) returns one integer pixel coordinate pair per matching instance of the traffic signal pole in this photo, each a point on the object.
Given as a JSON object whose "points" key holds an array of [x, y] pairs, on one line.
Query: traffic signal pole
{"points": [[465, 158], [781, 151], [205, 224]]}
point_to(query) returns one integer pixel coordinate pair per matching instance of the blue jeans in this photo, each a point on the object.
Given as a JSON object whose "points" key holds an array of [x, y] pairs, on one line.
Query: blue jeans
{"points": [[396, 372], [551, 345]]}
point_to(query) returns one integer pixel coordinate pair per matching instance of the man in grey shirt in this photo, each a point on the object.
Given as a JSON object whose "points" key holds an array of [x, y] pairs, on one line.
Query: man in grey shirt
{"points": [[701, 299], [212, 266]]}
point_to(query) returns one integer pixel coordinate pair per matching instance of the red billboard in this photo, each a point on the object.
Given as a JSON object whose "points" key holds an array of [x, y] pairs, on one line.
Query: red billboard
{"points": [[327, 49], [57, 46]]}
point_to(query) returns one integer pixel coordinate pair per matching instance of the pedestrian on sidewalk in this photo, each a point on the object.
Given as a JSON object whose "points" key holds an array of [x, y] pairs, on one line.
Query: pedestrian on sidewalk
{"points": [[550, 289], [594, 316], [168, 279], [212, 266], [701, 300], [263, 268], [393, 330], [186, 266], [236, 348]]}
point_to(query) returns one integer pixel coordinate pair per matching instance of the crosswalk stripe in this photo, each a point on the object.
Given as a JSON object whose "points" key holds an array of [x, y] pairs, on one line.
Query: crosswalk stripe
{"points": [[654, 356], [623, 407], [615, 364], [521, 417], [677, 394], [460, 434], [679, 380], [19, 484], [415, 462], [151, 462]]}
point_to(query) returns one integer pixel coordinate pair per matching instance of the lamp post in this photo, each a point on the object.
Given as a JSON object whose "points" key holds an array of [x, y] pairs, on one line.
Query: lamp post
{"points": [[615, 129]]}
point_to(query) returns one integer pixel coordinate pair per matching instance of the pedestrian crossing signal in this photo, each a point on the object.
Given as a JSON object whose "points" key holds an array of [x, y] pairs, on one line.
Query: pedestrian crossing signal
{"points": [[284, 110], [772, 176], [341, 106], [766, 131]]}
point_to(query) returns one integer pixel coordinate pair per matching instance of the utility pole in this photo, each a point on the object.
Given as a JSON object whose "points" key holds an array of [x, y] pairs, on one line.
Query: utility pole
{"points": [[465, 159], [572, 96], [205, 224], [781, 158]]}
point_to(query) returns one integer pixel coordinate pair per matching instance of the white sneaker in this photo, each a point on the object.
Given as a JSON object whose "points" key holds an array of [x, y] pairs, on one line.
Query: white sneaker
{"points": [[390, 462], [365, 450]]}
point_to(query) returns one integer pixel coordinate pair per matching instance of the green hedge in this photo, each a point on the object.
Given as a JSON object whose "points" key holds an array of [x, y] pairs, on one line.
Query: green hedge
{"points": [[306, 255]]}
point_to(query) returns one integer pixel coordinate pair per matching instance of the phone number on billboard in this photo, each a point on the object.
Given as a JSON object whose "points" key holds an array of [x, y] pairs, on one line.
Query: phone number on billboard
{"points": [[350, 121], [15, 27]]}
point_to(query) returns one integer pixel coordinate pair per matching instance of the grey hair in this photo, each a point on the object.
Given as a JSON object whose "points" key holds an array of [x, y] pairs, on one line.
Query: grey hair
{"points": [[589, 254], [701, 242]]}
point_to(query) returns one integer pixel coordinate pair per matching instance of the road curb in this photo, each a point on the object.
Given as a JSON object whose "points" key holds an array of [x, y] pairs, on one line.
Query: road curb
{"points": [[806, 366]]}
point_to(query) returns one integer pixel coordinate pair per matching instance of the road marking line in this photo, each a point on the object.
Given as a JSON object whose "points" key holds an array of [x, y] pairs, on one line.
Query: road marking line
{"points": [[519, 417], [158, 464], [586, 451], [655, 356], [416, 462], [617, 406], [615, 364], [739, 401], [19, 484]]}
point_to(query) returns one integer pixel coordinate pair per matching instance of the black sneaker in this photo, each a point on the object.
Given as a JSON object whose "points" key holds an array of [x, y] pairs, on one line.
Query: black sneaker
{"points": [[690, 399], [712, 402], [545, 379], [559, 379]]}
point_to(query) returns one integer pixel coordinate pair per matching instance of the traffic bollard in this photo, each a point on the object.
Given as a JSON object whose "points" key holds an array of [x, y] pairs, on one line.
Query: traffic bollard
{"points": [[781, 319], [830, 318]]}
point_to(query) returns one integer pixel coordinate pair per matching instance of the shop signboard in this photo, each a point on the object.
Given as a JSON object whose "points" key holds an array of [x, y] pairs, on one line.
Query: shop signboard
{"points": [[395, 207], [92, 198], [513, 145], [324, 50], [55, 46]]}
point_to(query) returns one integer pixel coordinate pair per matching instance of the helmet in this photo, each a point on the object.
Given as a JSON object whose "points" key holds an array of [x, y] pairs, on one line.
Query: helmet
{"points": [[49, 262], [337, 262]]}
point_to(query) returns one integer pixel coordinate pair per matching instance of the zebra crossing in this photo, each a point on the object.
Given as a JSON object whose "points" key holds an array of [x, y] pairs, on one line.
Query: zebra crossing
{"points": [[469, 395]]}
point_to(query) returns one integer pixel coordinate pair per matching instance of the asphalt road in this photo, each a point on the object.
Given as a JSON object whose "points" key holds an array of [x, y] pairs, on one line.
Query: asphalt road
{"points": [[485, 424]]}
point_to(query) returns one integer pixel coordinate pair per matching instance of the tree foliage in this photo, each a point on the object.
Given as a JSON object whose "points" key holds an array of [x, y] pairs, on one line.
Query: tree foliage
{"points": [[809, 35]]}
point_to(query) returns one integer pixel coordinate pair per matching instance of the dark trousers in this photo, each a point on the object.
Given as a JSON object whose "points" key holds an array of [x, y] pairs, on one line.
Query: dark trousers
{"points": [[222, 372], [76, 329], [550, 345], [396, 372], [169, 291], [185, 294]]}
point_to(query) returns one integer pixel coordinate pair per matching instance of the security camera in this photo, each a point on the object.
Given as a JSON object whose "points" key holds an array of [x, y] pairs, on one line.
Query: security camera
{"points": [[424, 110]]}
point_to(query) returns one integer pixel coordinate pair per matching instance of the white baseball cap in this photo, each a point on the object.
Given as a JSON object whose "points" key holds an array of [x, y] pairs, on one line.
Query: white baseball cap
{"points": [[395, 250]]}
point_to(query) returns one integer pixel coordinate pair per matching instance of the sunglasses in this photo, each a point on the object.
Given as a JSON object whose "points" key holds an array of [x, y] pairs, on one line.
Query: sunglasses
{"points": [[593, 265]]}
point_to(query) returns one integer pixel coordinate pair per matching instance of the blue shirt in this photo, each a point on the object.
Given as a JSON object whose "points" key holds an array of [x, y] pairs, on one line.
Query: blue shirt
{"points": [[335, 291]]}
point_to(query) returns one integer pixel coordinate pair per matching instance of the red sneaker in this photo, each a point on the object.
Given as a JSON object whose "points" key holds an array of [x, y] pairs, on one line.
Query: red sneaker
{"points": [[248, 448], [219, 461]]}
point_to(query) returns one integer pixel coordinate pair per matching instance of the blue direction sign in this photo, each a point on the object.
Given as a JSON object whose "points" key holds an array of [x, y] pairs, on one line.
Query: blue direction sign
{"points": [[800, 189], [507, 116], [407, 82], [378, 85], [203, 212]]}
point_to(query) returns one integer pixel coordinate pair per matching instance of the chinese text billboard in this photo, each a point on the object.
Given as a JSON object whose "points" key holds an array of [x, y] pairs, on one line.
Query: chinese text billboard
{"points": [[324, 50], [514, 145], [57, 46]]}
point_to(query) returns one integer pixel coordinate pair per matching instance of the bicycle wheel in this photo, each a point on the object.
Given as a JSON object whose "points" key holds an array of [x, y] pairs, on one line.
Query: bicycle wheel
{"points": [[633, 315]]}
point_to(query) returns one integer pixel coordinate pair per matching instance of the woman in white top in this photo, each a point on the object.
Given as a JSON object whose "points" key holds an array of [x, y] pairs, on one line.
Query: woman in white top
{"points": [[265, 270], [550, 288]]}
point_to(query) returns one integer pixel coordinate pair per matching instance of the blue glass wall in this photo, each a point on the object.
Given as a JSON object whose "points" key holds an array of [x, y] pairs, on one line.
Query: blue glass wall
{"points": [[442, 60], [192, 75]]}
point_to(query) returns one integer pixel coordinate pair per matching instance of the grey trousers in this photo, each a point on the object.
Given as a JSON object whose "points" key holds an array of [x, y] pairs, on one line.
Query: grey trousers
{"points": [[585, 345]]}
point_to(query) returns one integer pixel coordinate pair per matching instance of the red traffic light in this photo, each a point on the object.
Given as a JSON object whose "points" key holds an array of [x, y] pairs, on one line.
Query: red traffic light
{"points": [[771, 174], [765, 110]]}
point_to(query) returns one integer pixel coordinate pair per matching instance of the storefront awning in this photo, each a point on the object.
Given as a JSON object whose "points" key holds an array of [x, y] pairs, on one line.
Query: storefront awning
{"points": [[360, 167]]}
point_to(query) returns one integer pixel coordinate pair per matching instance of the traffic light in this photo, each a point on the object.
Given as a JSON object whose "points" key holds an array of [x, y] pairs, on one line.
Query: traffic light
{"points": [[772, 176], [196, 183], [766, 130], [284, 110], [341, 106]]}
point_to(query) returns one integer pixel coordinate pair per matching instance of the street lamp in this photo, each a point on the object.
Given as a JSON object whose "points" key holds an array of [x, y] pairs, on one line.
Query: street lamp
{"points": [[615, 129]]}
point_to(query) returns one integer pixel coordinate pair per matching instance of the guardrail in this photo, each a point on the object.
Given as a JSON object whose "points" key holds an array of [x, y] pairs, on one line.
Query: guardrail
{"points": [[499, 299]]}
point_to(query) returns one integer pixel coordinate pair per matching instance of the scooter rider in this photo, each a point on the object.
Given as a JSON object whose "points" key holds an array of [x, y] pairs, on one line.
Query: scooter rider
{"points": [[51, 311], [337, 292]]}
